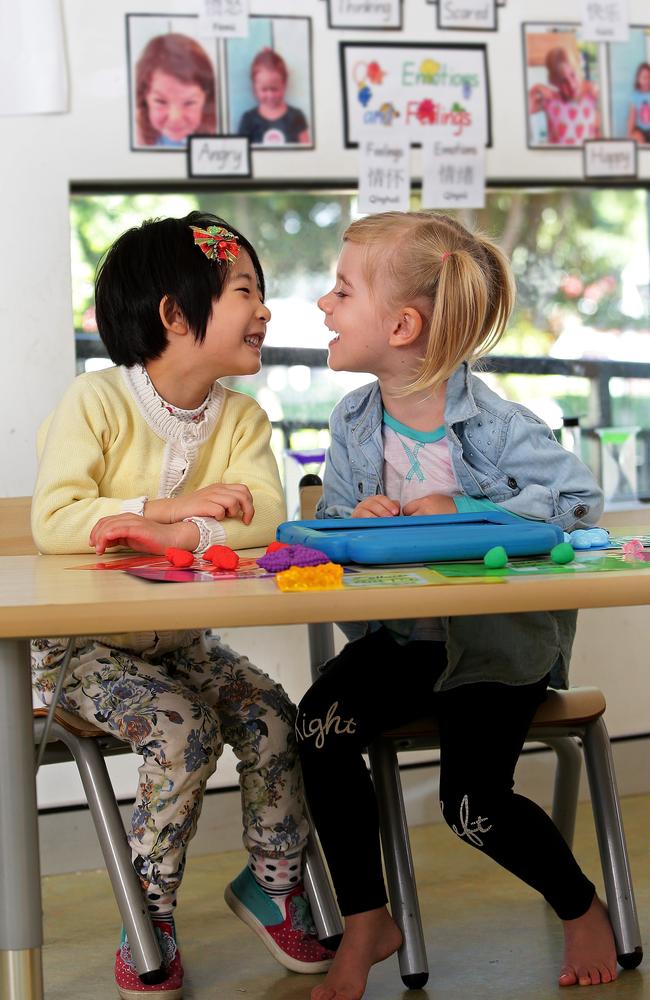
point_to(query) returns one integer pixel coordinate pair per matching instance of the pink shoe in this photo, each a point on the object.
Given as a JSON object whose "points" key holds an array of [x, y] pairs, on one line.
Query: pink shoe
{"points": [[128, 982], [286, 928]]}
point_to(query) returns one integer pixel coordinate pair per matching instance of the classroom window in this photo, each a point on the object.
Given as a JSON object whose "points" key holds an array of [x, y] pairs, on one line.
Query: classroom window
{"points": [[580, 257]]}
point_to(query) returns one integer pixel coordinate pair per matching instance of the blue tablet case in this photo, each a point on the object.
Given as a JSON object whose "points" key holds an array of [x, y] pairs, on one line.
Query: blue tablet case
{"points": [[438, 538]]}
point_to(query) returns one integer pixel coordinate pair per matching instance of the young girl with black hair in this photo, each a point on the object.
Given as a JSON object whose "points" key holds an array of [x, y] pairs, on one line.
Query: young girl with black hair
{"points": [[417, 299], [156, 453]]}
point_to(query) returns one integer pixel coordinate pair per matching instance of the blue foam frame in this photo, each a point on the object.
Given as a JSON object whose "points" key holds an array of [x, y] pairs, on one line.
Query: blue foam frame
{"points": [[437, 538]]}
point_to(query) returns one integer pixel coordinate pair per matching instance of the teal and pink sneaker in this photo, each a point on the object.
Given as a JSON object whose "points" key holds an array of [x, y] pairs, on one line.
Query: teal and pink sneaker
{"points": [[285, 926], [128, 982]]}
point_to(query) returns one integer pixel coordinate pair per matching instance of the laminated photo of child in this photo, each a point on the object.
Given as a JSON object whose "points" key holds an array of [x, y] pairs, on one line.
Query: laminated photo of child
{"points": [[638, 119], [175, 92], [272, 121], [570, 102]]}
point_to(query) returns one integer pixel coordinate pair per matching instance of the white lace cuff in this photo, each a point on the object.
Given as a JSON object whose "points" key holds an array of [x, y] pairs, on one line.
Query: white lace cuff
{"points": [[211, 532], [134, 506]]}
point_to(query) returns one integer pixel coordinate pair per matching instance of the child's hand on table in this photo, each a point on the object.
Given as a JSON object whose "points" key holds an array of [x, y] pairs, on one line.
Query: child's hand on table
{"points": [[377, 506], [434, 503], [219, 500], [142, 534]]}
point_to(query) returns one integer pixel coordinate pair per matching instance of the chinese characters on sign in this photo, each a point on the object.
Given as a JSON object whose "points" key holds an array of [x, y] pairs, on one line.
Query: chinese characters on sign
{"points": [[453, 175], [223, 18], [605, 20], [384, 174]]}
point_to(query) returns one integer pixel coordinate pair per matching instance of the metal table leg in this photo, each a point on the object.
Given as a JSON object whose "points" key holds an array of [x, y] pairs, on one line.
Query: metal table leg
{"points": [[21, 932]]}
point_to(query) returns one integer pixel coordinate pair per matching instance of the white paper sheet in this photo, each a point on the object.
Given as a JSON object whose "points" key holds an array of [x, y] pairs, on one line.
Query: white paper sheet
{"points": [[33, 75]]}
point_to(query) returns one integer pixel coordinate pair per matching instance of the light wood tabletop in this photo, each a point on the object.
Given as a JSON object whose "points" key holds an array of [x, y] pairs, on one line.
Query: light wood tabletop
{"points": [[44, 595]]}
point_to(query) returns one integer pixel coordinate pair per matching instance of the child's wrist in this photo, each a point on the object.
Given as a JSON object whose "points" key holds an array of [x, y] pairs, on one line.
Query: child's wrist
{"points": [[159, 510], [187, 535]]}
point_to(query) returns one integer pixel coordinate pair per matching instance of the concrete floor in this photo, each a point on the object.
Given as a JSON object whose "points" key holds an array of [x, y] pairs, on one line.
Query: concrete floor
{"points": [[488, 936]]}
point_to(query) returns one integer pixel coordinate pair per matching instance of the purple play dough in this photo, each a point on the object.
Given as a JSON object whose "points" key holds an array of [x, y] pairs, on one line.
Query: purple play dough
{"points": [[291, 555]]}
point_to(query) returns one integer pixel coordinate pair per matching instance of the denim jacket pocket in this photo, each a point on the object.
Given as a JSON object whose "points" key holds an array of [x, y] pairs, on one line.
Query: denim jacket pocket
{"points": [[364, 483]]}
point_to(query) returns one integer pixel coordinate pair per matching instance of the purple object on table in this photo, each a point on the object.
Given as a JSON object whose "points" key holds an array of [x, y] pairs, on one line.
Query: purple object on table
{"points": [[291, 555]]}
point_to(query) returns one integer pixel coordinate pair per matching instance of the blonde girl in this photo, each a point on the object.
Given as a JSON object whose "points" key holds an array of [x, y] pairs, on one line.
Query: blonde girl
{"points": [[417, 299]]}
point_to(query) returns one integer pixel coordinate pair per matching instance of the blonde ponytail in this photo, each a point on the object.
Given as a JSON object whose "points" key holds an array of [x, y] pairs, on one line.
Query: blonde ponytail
{"points": [[464, 279]]}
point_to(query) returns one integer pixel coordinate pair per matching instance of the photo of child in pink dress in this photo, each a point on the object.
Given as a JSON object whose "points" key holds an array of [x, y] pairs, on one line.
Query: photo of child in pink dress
{"points": [[563, 103]]}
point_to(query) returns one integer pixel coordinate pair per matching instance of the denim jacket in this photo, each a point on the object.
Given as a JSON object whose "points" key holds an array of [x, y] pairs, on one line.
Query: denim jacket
{"points": [[501, 454]]}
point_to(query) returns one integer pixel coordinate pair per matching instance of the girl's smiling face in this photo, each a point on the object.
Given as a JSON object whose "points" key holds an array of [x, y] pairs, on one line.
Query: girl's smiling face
{"points": [[237, 324], [356, 318], [175, 108]]}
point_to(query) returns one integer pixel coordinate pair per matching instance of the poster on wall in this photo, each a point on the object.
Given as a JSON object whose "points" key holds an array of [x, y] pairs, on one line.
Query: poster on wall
{"points": [[432, 91], [172, 81], [629, 86], [563, 91], [269, 90]]}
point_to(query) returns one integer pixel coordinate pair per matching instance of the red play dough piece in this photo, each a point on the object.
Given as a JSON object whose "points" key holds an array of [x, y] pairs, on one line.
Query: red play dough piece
{"points": [[274, 546], [222, 556], [179, 557]]}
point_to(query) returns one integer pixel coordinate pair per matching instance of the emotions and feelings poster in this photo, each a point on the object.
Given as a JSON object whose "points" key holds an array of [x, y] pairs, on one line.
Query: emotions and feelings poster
{"points": [[430, 91]]}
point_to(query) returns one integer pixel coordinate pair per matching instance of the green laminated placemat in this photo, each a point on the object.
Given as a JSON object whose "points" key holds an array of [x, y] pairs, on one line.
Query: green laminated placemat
{"points": [[583, 563]]}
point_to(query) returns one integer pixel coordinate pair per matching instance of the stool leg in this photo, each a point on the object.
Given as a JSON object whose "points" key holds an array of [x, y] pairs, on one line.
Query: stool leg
{"points": [[398, 861], [611, 844], [319, 890], [21, 933], [321, 646], [117, 854], [567, 784]]}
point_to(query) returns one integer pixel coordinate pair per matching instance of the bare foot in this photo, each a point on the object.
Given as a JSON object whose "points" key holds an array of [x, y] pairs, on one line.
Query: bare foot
{"points": [[369, 938], [589, 949]]}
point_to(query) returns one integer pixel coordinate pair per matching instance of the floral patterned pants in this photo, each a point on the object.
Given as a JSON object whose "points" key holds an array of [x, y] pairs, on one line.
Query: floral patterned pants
{"points": [[177, 710]]}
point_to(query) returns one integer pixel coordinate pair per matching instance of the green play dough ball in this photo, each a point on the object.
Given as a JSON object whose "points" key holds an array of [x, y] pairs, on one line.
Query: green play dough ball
{"points": [[562, 553], [496, 557]]}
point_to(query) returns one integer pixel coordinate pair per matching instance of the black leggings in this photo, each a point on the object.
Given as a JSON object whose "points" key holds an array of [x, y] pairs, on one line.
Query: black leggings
{"points": [[376, 684]]}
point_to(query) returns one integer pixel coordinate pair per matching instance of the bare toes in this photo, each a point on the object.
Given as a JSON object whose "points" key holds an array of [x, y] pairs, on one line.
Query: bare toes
{"points": [[567, 976]]}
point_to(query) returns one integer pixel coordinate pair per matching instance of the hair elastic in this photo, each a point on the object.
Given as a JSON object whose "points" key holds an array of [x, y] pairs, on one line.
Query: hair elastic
{"points": [[444, 256], [217, 243]]}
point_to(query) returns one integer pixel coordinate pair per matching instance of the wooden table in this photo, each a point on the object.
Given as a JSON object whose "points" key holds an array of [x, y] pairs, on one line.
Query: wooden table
{"points": [[42, 596]]}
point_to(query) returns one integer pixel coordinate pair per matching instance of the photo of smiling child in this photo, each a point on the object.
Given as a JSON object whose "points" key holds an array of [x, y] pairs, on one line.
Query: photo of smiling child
{"points": [[173, 86], [563, 94]]}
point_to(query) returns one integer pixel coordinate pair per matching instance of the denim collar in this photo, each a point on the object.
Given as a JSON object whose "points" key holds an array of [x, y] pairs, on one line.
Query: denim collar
{"points": [[460, 404], [363, 408]]}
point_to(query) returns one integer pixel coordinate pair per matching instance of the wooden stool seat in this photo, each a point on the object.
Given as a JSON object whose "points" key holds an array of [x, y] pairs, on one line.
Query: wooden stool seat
{"points": [[71, 723], [575, 707]]}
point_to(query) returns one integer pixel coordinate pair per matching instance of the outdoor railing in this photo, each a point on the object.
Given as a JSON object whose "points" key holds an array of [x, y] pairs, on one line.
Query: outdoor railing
{"points": [[599, 373]]}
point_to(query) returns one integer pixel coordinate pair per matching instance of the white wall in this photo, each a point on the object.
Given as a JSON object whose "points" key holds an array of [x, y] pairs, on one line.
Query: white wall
{"points": [[41, 155]]}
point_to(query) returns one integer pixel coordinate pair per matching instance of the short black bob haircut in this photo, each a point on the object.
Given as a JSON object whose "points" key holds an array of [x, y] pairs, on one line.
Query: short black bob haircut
{"points": [[144, 264]]}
